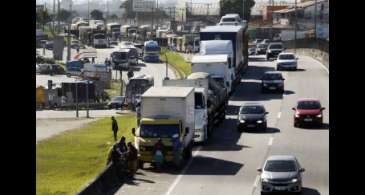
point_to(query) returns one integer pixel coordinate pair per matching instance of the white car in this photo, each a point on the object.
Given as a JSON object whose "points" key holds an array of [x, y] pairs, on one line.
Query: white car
{"points": [[230, 19], [287, 61]]}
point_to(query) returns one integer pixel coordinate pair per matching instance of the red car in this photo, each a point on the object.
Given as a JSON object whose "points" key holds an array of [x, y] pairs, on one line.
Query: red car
{"points": [[308, 111]]}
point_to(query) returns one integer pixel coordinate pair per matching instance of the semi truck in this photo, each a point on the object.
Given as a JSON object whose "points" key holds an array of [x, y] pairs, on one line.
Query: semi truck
{"points": [[210, 102], [239, 37], [218, 66], [165, 115]]}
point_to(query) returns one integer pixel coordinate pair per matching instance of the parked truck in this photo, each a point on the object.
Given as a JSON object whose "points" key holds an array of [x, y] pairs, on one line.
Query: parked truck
{"points": [[113, 31], [239, 37], [210, 102], [136, 86], [151, 51], [164, 115]]}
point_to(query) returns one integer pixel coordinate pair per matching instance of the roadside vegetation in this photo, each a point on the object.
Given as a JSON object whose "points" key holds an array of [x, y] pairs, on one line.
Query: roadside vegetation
{"points": [[182, 67], [66, 163]]}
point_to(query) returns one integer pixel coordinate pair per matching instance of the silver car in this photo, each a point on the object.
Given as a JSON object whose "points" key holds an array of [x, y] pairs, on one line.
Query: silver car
{"points": [[281, 173]]}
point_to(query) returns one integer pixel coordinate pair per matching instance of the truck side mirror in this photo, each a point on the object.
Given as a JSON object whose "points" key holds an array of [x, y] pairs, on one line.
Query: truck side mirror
{"points": [[134, 131], [186, 131]]}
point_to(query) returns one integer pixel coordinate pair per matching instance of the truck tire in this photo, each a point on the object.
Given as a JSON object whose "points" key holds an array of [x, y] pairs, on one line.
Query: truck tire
{"points": [[188, 153]]}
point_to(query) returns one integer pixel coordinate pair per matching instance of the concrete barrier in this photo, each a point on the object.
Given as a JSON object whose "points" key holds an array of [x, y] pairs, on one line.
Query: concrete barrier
{"points": [[317, 54]]}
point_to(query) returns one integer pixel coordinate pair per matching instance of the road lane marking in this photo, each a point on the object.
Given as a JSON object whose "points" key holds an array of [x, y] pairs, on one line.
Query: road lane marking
{"points": [[270, 141], [279, 114], [178, 178], [255, 184]]}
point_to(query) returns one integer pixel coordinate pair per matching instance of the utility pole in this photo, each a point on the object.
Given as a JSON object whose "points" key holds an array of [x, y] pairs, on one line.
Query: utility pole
{"points": [[295, 27], [54, 16], [87, 99], [69, 35], [243, 9], [77, 102], [88, 10], [315, 19], [58, 14], [208, 5]]}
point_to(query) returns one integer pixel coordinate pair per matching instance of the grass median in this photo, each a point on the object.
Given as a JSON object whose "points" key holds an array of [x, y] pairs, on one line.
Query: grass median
{"points": [[177, 61], [68, 162]]}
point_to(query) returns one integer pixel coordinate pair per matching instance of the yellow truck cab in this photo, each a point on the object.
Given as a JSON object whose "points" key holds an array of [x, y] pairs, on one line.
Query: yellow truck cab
{"points": [[163, 115]]}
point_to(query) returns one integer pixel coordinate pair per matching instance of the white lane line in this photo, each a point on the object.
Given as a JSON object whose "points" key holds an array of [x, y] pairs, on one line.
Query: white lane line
{"points": [[178, 178], [270, 141], [279, 114], [256, 181]]}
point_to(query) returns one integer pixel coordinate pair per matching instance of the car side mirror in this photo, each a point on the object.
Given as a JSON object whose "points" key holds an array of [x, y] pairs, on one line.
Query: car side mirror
{"points": [[294, 109], [259, 170], [297, 58], [301, 170], [323, 108], [266, 113]]}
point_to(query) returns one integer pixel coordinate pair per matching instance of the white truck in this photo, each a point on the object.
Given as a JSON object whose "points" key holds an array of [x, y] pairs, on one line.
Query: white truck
{"points": [[166, 112], [210, 102], [218, 66]]}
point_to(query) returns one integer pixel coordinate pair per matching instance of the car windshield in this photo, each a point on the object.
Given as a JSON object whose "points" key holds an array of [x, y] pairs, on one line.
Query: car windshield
{"points": [[280, 166], [258, 40], [261, 46], [252, 110], [276, 46], [309, 105], [229, 20], [159, 131], [286, 57], [272, 77]]}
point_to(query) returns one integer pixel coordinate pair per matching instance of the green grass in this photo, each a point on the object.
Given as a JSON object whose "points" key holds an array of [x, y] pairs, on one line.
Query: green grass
{"points": [[178, 62], [66, 163], [114, 90], [49, 32]]}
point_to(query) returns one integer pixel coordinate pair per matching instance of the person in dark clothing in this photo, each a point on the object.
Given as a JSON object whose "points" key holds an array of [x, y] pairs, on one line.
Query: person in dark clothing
{"points": [[132, 159], [130, 73], [159, 154], [114, 128], [122, 145]]}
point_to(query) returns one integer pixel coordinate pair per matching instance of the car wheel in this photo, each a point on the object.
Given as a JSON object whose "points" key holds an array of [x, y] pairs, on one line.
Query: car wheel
{"points": [[264, 193], [264, 127]]}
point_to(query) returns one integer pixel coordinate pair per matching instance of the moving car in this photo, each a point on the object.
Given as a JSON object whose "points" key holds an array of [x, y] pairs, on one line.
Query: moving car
{"points": [[230, 19], [309, 112], [261, 48], [273, 50], [272, 81], [287, 61], [252, 51], [252, 115], [266, 41], [257, 41], [116, 102], [281, 173]]}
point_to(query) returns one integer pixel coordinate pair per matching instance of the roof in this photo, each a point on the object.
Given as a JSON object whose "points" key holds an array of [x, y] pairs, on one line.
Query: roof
{"points": [[253, 104], [273, 72], [222, 29], [286, 53], [299, 6], [209, 58], [307, 99], [168, 92], [198, 75], [281, 157]]}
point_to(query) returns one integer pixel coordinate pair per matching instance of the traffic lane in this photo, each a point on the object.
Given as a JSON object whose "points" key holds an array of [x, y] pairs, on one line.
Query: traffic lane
{"points": [[58, 114], [227, 163], [309, 145]]}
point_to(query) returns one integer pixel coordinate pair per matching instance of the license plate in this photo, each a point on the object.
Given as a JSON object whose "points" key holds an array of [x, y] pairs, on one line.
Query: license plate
{"points": [[272, 87], [280, 188], [250, 125], [308, 119]]}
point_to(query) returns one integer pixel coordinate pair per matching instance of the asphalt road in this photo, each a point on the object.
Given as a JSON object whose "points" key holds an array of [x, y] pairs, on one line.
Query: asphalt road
{"points": [[228, 163]]}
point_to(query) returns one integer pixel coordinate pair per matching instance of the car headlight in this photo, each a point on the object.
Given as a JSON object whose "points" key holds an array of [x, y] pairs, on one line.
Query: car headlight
{"points": [[297, 115], [294, 180], [259, 121], [265, 180], [319, 115], [242, 121]]}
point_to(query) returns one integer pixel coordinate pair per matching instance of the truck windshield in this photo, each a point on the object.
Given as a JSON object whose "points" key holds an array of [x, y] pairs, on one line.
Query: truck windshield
{"points": [[99, 36], [159, 131], [199, 101], [120, 55]]}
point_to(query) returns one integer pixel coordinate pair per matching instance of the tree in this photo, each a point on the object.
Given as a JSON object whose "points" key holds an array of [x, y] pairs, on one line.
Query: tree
{"points": [[96, 14], [43, 17], [114, 17], [235, 6], [128, 9], [64, 15]]}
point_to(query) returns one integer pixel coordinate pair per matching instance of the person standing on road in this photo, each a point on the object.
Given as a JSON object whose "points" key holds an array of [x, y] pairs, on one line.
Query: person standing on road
{"points": [[176, 144], [159, 154], [122, 145], [114, 128]]}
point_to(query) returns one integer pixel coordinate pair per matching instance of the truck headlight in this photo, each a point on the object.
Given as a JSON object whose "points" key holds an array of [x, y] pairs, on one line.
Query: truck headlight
{"points": [[294, 180], [242, 121], [259, 121], [265, 180], [319, 115]]}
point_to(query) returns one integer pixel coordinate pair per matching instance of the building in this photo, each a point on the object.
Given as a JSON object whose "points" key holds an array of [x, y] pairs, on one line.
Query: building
{"points": [[267, 11]]}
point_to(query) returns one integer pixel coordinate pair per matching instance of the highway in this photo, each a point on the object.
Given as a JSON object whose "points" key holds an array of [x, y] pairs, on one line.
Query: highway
{"points": [[227, 164]]}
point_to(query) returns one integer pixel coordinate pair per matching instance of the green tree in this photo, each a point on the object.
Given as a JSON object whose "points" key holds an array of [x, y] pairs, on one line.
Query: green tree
{"points": [[96, 14], [43, 17], [64, 15], [235, 6]]}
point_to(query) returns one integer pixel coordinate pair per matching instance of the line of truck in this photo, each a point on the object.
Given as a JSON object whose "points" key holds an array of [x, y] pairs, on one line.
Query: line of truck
{"points": [[189, 108]]}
